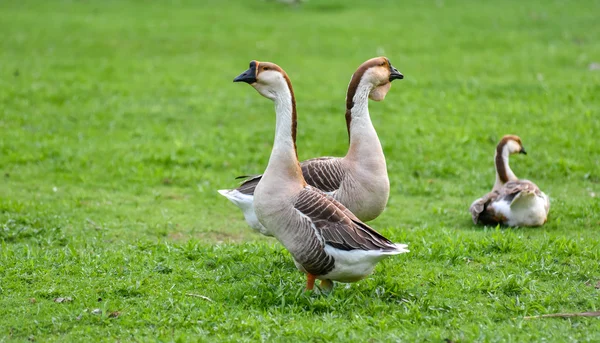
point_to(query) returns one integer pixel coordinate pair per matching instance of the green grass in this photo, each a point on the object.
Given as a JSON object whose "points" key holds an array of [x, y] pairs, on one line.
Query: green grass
{"points": [[119, 121]]}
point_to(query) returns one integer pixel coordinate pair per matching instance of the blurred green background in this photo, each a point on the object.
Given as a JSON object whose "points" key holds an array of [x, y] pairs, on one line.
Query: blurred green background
{"points": [[120, 120]]}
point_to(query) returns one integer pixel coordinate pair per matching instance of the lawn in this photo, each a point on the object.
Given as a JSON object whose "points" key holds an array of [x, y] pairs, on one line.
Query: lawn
{"points": [[119, 121]]}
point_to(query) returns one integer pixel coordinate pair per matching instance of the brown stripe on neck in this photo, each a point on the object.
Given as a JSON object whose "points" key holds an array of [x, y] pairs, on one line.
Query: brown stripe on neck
{"points": [[352, 87], [500, 167], [294, 114]]}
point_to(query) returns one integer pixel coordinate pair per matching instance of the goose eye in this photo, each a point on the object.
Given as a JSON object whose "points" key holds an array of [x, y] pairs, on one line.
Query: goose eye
{"points": [[382, 64], [265, 68]]}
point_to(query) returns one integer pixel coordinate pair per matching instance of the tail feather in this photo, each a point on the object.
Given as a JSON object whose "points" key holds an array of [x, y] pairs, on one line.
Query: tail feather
{"points": [[224, 192], [247, 176], [241, 200], [245, 203], [400, 249]]}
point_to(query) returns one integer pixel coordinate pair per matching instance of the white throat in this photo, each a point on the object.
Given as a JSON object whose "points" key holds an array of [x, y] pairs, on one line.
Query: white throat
{"points": [[283, 160], [283, 121], [364, 141]]}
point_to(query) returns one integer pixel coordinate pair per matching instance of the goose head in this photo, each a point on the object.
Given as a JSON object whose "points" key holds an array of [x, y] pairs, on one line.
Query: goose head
{"points": [[267, 78], [378, 73], [512, 145]]}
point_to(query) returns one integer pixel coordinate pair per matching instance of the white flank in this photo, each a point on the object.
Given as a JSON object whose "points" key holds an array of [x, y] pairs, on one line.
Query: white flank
{"points": [[246, 203], [354, 265], [526, 209]]}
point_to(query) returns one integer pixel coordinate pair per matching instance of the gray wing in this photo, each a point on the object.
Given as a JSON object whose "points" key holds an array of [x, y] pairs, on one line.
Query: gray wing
{"points": [[249, 185], [325, 173], [337, 226], [512, 188], [328, 222], [479, 208]]}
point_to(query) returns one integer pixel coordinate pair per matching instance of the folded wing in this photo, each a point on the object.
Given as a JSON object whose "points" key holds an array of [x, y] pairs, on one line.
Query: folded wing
{"points": [[336, 226], [325, 173]]}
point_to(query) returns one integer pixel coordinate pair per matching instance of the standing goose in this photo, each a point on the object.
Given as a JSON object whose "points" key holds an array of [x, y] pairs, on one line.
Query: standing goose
{"points": [[326, 240], [359, 180], [511, 202]]}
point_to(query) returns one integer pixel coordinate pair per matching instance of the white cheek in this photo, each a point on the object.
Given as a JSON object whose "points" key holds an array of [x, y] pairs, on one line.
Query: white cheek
{"points": [[371, 76], [513, 147], [270, 76]]}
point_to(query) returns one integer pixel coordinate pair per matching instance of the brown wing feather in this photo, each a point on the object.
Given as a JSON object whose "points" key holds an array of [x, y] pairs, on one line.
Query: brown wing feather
{"points": [[342, 208], [324, 221], [337, 226], [510, 189], [249, 185], [479, 207], [325, 173]]}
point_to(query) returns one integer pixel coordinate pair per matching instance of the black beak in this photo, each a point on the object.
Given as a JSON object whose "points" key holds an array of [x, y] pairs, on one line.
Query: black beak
{"points": [[395, 74], [523, 151], [249, 76]]}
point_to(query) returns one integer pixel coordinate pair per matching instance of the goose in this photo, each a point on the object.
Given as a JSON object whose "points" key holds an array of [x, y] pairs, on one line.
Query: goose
{"points": [[511, 202], [358, 180], [325, 239]]}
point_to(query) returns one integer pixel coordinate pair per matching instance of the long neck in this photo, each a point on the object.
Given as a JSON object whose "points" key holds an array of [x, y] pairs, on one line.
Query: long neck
{"points": [[363, 137], [284, 157], [503, 171]]}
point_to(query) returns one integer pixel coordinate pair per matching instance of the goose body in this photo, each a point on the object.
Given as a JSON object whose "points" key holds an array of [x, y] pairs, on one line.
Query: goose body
{"points": [[326, 240], [358, 180], [511, 202]]}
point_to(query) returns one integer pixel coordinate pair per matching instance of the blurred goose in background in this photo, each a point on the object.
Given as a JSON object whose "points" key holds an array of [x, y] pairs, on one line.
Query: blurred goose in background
{"points": [[358, 180], [326, 240], [511, 202]]}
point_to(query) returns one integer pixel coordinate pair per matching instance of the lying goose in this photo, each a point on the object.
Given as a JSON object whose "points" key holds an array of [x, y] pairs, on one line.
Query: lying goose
{"points": [[326, 240], [511, 202], [359, 180]]}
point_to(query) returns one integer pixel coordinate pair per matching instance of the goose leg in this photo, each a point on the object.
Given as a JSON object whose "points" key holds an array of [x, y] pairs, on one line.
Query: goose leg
{"points": [[310, 281], [326, 285]]}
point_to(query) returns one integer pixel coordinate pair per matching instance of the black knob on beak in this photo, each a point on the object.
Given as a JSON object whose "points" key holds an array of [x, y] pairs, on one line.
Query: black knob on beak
{"points": [[395, 74], [249, 76]]}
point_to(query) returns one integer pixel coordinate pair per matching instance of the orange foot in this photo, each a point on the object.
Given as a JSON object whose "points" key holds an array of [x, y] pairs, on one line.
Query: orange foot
{"points": [[326, 286], [310, 282]]}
